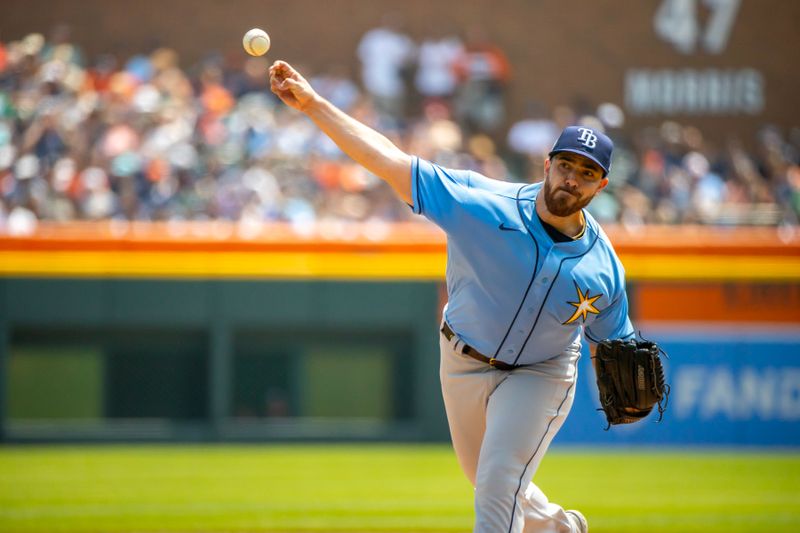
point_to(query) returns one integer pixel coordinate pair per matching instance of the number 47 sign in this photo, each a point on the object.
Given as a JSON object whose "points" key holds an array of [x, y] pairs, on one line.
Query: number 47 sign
{"points": [[677, 22]]}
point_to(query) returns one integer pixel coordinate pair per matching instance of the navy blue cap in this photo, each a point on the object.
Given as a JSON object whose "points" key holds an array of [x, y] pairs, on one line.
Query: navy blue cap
{"points": [[587, 142]]}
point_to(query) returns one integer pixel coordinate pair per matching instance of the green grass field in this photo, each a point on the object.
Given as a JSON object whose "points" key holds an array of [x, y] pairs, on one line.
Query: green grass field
{"points": [[378, 488]]}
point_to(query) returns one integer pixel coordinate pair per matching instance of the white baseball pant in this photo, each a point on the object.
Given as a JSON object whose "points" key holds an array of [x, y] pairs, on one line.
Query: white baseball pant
{"points": [[501, 424]]}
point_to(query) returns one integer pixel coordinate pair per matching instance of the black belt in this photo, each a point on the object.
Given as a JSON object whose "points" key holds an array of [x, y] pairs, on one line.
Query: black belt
{"points": [[475, 354]]}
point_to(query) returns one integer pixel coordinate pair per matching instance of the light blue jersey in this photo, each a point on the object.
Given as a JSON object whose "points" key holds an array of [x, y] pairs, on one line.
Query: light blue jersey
{"points": [[513, 293]]}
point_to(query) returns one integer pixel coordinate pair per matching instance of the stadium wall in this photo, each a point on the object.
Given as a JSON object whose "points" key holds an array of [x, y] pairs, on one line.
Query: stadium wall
{"points": [[148, 332]]}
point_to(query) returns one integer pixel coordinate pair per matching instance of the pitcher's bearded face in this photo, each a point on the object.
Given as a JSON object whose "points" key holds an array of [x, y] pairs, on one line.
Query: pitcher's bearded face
{"points": [[571, 182], [562, 202]]}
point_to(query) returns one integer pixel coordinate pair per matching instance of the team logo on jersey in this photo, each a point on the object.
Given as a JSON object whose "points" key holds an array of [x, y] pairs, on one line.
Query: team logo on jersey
{"points": [[587, 138], [583, 306]]}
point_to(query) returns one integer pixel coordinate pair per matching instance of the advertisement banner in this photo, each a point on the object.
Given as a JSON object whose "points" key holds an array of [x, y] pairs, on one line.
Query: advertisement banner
{"points": [[729, 387]]}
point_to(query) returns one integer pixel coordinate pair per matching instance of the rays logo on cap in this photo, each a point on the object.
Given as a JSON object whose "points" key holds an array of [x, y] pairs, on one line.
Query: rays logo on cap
{"points": [[587, 138], [587, 142]]}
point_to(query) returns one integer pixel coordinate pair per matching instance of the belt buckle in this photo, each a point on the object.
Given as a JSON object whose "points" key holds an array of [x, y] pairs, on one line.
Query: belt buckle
{"points": [[492, 362]]}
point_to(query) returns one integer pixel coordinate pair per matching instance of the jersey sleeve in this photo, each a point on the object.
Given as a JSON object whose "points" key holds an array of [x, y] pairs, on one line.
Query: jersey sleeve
{"points": [[612, 323], [439, 193]]}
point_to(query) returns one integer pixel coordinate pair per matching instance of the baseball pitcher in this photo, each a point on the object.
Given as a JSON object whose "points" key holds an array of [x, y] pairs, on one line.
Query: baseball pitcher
{"points": [[529, 272]]}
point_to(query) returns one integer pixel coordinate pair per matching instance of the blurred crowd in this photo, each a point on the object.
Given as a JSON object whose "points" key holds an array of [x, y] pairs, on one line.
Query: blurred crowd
{"points": [[145, 139]]}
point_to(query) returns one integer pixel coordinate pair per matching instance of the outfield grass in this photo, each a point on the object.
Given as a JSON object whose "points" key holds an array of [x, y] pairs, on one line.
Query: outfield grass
{"points": [[377, 488]]}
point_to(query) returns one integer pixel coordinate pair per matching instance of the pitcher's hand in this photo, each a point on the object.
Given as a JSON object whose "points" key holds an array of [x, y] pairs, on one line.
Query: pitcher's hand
{"points": [[290, 86]]}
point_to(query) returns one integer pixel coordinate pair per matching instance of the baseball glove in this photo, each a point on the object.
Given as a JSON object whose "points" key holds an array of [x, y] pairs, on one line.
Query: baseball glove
{"points": [[631, 381]]}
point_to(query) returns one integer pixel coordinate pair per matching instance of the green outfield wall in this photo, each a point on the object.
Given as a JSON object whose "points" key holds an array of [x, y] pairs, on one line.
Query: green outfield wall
{"points": [[149, 359]]}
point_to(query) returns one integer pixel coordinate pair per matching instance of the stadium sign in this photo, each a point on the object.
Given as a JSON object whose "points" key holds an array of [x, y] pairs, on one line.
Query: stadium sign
{"points": [[695, 91]]}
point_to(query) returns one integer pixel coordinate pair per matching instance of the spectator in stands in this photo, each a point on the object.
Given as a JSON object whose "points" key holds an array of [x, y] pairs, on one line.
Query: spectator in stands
{"points": [[386, 53], [530, 139], [436, 67], [483, 73]]}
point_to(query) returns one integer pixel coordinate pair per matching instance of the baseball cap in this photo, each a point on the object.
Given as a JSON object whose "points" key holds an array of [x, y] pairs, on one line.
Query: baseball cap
{"points": [[587, 142]]}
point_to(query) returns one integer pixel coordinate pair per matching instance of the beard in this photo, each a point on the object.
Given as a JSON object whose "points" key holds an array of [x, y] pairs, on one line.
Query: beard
{"points": [[564, 204]]}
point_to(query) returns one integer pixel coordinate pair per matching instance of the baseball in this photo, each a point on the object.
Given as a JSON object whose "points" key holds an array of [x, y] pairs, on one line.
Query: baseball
{"points": [[256, 42]]}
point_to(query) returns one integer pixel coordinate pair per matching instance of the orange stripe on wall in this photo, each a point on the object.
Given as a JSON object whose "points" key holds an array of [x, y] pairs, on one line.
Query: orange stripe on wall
{"points": [[403, 250], [718, 302], [405, 237]]}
